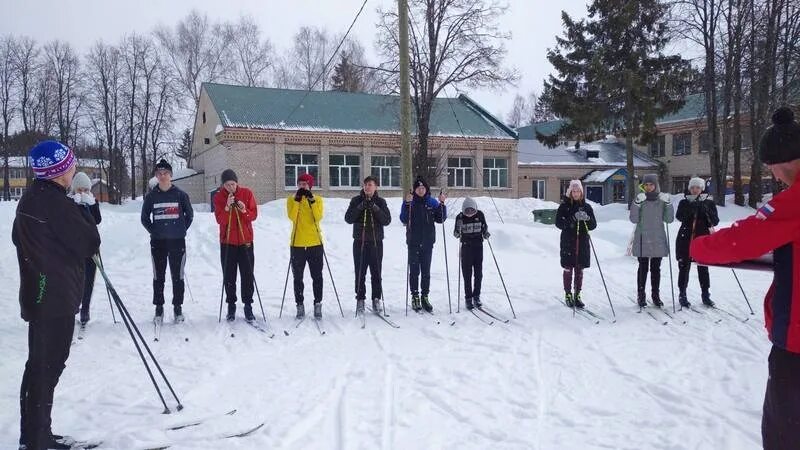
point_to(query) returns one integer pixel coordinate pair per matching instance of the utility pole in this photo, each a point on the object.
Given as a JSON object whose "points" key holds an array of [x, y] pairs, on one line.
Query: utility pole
{"points": [[405, 98]]}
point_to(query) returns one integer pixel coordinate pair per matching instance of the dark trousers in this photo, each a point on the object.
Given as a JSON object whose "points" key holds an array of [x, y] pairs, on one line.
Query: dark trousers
{"points": [[239, 257], [472, 263], [48, 349], [369, 256], [419, 263], [172, 251], [314, 257], [567, 278], [88, 285], [654, 266], [780, 425], [684, 267]]}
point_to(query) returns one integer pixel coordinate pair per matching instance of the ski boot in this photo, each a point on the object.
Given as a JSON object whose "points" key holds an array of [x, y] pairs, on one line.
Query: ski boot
{"points": [[159, 313], [468, 302], [477, 301], [657, 300], [426, 304], [301, 311], [684, 302], [248, 313], [706, 296], [84, 316], [376, 305], [318, 310], [231, 316], [359, 306], [641, 300], [415, 305], [568, 300], [177, 313], [578, 303]]}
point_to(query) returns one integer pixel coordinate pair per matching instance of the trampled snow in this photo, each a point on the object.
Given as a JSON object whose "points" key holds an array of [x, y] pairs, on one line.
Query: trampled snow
{"points": [[547, 380]]}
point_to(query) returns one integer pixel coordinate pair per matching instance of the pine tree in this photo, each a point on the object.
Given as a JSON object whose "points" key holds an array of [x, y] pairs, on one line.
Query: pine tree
{"points": [[184, 150], [613, 75], [346, 76]]}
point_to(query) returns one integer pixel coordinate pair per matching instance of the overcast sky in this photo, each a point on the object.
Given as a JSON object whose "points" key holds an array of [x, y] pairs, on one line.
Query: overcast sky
{"points": [[533, 24]]}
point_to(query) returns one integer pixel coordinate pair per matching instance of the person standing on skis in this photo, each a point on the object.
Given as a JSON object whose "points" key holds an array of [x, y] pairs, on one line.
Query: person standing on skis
{"points": [[368, 213], [575, 218], [774, 228], [698, 216], [235, 210], [650, 211], [471, 229], [81, 193], [420, 212], [305, 210]]}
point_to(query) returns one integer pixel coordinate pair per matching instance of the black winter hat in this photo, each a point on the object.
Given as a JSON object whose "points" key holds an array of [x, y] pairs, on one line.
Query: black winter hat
{"points": [[163, 164], [781, 142], [421, 182], [229, 175]]}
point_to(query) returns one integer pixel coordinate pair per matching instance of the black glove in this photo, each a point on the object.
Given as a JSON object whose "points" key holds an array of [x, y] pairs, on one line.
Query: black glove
{"points": [[486, 235], [307, 193], [363, 205], [298, 195]]}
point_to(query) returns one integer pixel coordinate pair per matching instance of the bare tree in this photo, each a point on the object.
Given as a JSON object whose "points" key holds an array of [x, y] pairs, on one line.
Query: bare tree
{"points": [[132, 49], [453, 43], [253, 55], [25, 65], [311, 51], [283, 72], [64, 64], [8, 47], [519, 112]]}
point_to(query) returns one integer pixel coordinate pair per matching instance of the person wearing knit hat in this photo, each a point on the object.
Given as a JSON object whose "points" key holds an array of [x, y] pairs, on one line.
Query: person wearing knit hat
{"points": [[235, 209], [698, 216], [81, 194], [471, 229], [575, 218], [53, 239], [775, 227], [305, 210], [650, 211], [419, 213], [167, 215]]}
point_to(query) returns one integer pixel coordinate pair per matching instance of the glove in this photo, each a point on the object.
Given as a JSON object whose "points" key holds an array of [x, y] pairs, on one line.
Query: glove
{"points": [[666, 198], [457, 234], [363, 205], [582, 216], [77, 198], [87, 198], [374, 207], [298, 195], [486, 235], [308, 194], [640, 198]]}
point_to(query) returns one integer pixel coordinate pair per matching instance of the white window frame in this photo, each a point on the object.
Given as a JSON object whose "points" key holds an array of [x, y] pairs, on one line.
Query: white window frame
{"points": [[460, 170], [541, 189], [383, 171], [299, 169], [684, 151], [344, 171], [495, 171]]}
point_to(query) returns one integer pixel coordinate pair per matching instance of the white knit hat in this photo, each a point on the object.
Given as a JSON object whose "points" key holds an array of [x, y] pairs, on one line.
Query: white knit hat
{"points": [[574, 185], [81, 181], [697, 181]]}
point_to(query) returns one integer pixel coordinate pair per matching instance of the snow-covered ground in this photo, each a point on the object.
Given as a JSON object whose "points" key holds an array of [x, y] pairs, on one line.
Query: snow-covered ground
{"points": [[547, 380]]}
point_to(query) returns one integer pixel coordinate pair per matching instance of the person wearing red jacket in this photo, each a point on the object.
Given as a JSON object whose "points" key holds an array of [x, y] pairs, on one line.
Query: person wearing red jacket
{"points": [[775, 227], [235, 210]]}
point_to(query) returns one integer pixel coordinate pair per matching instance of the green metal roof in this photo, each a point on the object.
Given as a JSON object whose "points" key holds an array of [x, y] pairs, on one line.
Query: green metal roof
{"points": [[693, 109], [287, 109]]}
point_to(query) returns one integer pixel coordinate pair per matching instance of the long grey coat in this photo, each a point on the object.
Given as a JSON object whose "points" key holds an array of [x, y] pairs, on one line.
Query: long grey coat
{"points": [[650, 238]]}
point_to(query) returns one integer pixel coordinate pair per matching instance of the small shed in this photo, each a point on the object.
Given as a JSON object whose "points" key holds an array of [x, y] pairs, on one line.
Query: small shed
{"points": [[606, 186]]}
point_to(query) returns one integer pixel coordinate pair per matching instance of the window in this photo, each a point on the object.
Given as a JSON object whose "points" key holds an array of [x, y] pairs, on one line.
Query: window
{"points": [[387, 170], [204, 117], [345, 170], [680, 185], [658, 146], [705, 142], [539, 189], [206, 141], [297, 164], [619, 191], [459, 172], [495, 173], [682, 144]]}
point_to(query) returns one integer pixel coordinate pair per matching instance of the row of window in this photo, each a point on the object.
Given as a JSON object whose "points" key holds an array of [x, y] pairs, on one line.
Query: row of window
{"points": [[345, 170], [682, 144]]}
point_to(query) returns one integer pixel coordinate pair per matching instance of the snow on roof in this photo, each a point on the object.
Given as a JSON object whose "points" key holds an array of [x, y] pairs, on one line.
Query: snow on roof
{"points": [[599, 176]]}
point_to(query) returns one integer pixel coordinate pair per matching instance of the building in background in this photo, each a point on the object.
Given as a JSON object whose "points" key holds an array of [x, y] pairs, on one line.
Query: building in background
{"points": [[20, 173]]}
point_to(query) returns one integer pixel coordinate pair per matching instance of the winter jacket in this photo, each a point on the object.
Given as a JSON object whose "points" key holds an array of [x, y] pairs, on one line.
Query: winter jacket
{"points": [[306, 217], [471, 230], [649, 213], [368, 217], [775, 227], [53, 238], [171, 212], [697, 215], [241, 223], [420, 216], [575, 245]]}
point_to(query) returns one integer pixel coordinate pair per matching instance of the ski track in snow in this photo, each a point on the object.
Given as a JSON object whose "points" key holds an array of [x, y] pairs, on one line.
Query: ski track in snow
{"points": [[545, 380]]}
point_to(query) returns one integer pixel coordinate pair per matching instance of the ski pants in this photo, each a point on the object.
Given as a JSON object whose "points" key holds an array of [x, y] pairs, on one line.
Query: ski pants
{"points": [[684, 267], [88, 285], [568, 276], [48, 349], [172, 251], [472, 264], [239, 257], [314, 257], [419, 263], [780, 424], [655, 274], [368, 255]]}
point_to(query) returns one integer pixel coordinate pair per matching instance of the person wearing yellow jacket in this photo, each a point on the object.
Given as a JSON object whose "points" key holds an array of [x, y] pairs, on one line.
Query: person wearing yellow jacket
{"points": [[304, 209]]}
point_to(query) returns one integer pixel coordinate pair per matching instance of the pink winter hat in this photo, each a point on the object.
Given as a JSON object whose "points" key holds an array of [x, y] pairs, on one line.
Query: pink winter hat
{"points": [[574, 185]]}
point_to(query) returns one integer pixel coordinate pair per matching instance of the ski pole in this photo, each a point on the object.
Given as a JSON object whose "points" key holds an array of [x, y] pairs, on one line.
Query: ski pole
{"points": [[325, 255], [361, 272], [458, 288], [375, 247], [108, 293], [743, 293], [408, 256], [446, 264], [575, 267], [224, 247], [131, 326], [501, 279], [252, 263], [288, 266], [600, 269], [671, 281]]}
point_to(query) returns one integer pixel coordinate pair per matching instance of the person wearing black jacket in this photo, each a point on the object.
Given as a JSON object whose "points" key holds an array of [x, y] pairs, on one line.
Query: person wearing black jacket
{"points": [[81, 193], [368, 213], [172, 216], [575, 218], [420, 213], [471, 229], [698, 216], [53, 238]]}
